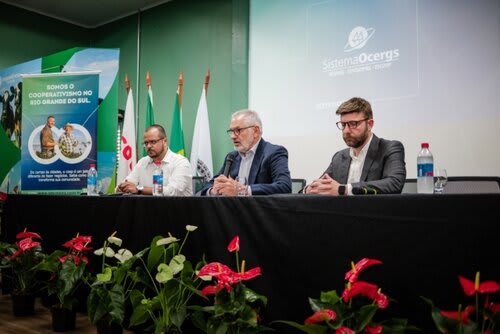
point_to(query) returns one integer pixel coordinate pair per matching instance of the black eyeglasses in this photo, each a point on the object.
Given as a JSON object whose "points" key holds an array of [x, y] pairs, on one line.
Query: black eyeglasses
{"points": [[350, 124], [151, 142], [237, 131]]}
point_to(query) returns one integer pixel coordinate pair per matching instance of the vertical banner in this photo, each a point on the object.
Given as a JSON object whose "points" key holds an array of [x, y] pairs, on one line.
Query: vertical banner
{"points": [[59, 131]]}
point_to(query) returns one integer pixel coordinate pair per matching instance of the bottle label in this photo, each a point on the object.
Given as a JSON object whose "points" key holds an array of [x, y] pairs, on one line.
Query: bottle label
{"points": [[91, 181], [425, 170], [157, 179]]}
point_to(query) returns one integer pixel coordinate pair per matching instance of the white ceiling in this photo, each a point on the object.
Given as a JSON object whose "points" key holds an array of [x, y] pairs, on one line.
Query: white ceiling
{"points": [[86, 13]]}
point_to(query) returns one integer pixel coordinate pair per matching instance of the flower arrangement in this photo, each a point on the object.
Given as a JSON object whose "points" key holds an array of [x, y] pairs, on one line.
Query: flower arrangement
{"points": [[166, 281], [20, 258], [481, 317], [67, 270], [236, 307], [349, 313], [110, 289]]}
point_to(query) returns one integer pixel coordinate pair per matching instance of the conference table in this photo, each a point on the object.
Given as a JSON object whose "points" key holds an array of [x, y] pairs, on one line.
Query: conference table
{"points": [[303, 244]]}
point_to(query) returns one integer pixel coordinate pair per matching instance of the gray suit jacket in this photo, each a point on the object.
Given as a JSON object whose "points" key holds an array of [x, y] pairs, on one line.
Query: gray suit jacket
{"points": [[384, 167]]}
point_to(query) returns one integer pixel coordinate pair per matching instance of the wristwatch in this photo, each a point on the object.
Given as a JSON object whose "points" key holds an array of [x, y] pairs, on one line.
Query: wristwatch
{"points": [[342, 189], [139, 188]]}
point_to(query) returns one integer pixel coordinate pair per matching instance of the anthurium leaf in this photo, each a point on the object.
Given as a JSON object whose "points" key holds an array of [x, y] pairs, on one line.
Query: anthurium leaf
{"points": [[251, 296], [178, 316], [311, 329], [95, 305], [140, 315], [397, 326], [116, 306], [105, 276], [155, 254], [317, 305], [365, 316], [330, 297]]}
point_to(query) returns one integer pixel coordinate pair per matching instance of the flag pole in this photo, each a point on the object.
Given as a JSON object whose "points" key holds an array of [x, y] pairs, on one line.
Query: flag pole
{"points": [[207, 80], [148, 80], [127, 83], [180, 86]]}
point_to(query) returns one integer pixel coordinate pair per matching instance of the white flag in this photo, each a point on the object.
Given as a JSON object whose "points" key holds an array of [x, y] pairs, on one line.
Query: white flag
{"points": [[128, 154], [201, 150]]}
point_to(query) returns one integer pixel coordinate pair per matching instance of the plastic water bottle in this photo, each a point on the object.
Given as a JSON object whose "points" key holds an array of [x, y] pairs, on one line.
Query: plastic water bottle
{"points": [[425, 170], [158, 179], [92, 181]]}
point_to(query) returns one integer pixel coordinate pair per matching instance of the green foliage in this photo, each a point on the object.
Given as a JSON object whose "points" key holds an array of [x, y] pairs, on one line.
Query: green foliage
{"points": [[165, 282], [65, 278], [111, 288]]}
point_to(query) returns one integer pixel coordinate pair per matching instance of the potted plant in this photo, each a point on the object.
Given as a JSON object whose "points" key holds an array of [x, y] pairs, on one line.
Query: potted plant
{"points": [[482, 316], [17, 262], [235, 308], [111, 287], [166, 281], [354, 311], [67, 270]]}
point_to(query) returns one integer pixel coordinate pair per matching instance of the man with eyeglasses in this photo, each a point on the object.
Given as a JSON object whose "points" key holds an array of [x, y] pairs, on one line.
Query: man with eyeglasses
{"points": [[370, 165], [177, 177], [263, 164]]}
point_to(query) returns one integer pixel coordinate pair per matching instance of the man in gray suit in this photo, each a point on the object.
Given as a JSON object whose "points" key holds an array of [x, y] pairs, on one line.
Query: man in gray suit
{"points": [[369, 165]]}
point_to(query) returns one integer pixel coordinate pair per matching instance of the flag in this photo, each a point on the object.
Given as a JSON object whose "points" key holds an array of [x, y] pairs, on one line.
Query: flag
{"points": [[128, 154], [176, 134], [201, 149], [150, 116]]}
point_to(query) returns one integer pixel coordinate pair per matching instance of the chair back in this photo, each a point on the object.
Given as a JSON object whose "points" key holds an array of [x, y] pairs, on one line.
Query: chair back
{"points": [[198, 183], [298, 185]]}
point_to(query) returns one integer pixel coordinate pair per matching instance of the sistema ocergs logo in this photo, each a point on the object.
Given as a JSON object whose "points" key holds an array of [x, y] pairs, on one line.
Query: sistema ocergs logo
{"points": [[362, 62]]}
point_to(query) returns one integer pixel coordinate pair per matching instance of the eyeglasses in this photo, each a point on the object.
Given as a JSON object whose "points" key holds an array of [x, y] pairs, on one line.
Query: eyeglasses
{"points": [[151, 142], [350, 124], [237, 131]]}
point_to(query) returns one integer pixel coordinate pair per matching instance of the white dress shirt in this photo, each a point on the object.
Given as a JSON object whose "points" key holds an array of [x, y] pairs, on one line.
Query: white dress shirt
{"points": [[357, 163], [177, 176]]}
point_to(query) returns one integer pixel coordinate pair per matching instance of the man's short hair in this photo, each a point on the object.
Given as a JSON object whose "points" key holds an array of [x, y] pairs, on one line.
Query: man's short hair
{"points": [[251, 117], [160, 129], [356, 104]]}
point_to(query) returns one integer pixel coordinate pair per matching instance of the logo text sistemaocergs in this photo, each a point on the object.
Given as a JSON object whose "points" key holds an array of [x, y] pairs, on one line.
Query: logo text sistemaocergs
{"points": [[362, 62]]}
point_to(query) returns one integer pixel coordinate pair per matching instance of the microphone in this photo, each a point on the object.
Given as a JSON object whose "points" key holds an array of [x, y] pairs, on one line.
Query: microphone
{"points": [[364, 191], [227, 165]]}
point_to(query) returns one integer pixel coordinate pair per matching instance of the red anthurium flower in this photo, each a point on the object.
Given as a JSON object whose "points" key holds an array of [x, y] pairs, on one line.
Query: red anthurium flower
{"points": [[210, 290], [320, 316], [365, 289], [352, 275], [471, 288], [234, 245], [377, 329], [27, 243], [27, 234], [463, 316], [344, 330], [214, 269]]}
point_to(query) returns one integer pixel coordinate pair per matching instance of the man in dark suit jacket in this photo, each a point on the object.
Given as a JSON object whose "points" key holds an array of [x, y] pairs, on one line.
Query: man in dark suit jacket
{"points": [[263, 164], [370, 164]]}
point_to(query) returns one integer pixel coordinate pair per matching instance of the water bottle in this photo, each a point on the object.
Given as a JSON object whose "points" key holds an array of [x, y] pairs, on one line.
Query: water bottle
{"points": [[158, 179], [425, 170], [92, 181]]}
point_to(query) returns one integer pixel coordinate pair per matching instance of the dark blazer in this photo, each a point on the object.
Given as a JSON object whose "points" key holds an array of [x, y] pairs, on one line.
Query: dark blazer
{"points": [[384, 167], [269, 173]]}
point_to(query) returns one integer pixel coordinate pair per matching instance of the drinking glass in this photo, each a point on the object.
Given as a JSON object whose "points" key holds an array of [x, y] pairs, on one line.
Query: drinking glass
{"points": [[441, 178], [241, 189]]}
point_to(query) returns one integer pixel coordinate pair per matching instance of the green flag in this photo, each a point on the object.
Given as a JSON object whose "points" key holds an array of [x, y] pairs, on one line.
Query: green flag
{"points": [[176, 134], [150, 116]]}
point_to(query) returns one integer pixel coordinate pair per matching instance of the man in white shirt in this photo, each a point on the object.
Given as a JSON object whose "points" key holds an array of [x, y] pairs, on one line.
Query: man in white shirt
{"points": [[177, 177], [370, 164]]}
